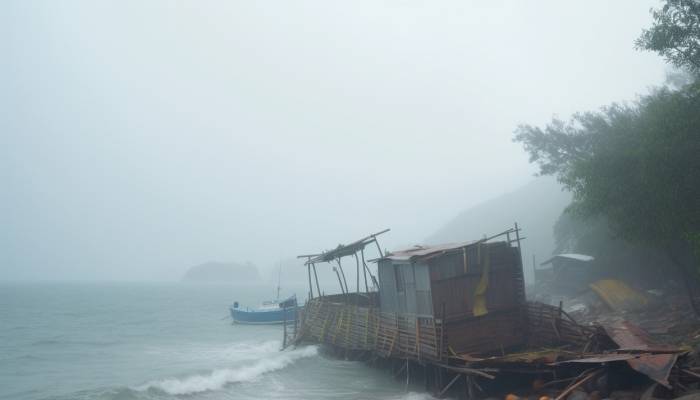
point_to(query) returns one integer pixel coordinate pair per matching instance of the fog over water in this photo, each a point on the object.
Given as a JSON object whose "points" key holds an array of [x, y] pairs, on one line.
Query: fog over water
{"points": [[140, 138]]}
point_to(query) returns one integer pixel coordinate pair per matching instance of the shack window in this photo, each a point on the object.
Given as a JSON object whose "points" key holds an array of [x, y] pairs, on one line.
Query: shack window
{"points": [[424, 304], [400, 287], [472, 257]]}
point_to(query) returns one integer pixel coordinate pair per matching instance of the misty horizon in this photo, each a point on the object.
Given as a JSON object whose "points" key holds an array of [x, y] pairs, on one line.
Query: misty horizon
{"points": [[142, 139]]}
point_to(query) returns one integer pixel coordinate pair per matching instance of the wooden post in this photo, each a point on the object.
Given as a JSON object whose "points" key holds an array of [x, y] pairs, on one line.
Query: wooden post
{"points": [[367, 328], [318, 288], [343, 274], [557, 322], [426, 385], [357, 272], [442, 332], [418, 338], [464, 260], [284, 328], [340, 281], [296, 317], [449, 385], [311, 288], [437, 379], [364, 269], [379, 249], [374, 280], [470, 390], [408, 373]]}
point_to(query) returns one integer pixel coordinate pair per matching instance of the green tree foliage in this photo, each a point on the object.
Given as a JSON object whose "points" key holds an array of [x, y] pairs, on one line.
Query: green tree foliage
{"points": [[573, 233], [675, 34], [636, 165], [633, 262]]}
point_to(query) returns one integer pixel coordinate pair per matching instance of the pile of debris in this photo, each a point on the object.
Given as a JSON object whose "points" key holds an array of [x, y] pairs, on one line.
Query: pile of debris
{"points": [[651, 353], [663, 312], [618, 360]]}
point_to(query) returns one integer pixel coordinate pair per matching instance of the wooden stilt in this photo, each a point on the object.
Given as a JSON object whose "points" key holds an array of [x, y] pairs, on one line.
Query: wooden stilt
{"points": [[311, 288], [318, 288], [449, 385], [408, 373], [364, 269]]}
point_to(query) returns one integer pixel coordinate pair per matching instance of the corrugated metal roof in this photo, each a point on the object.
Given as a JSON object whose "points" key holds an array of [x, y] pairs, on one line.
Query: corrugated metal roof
{"points": [[631, 337], [422, 252], [425, 251], [570, 256], [342, 250]]}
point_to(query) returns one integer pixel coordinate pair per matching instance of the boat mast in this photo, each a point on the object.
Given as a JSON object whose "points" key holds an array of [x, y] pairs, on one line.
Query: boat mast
{"points": [[279, 275]]}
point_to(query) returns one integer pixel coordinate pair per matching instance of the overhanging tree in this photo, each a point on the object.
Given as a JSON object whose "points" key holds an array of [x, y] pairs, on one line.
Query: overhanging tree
{"points": [[636, 165], [675, 34]]}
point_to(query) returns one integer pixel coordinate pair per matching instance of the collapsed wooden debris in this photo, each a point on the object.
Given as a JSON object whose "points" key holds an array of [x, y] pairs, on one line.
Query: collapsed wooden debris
{"points": [[455, 318]]}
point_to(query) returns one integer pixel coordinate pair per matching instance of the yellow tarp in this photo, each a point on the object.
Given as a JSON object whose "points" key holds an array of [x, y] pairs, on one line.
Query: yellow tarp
{"points": [[618, 295], [479, 308]]}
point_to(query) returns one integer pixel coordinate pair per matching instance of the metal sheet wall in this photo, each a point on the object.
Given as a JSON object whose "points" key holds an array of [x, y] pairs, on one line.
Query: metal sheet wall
{"points": [[405, 288], [456, 291], [424, 300], [388, 299]]}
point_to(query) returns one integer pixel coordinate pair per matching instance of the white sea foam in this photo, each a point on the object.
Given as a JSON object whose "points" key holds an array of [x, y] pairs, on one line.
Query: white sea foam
{"points": [[220, 377], [414, 396], [247, 350], [204, 353], [411, 396], [418, 396]]}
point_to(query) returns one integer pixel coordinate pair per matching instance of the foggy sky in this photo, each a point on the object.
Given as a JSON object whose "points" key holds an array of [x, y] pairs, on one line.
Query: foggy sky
{"points": [[140, 138]]}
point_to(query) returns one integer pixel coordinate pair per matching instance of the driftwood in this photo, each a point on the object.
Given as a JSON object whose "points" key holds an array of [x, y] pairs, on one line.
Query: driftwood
{"points": [[572, 387]]}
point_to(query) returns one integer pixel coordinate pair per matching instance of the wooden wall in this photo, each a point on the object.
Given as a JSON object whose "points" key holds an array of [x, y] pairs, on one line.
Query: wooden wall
{"points": [[454, 279]]}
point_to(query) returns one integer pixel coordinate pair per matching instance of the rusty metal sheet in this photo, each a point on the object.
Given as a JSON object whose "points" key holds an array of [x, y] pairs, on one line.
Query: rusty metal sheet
{"points": [[536, 357], [423, 251], [601, 358], [631, 337], [655, 366], [548, 357]]}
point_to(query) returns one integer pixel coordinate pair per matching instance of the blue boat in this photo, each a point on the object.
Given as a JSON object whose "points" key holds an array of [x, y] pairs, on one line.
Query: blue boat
{"points": [[270, 312]]}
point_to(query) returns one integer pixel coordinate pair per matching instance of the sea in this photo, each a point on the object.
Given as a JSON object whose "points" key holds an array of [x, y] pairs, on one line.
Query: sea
{"points": [[134, 341]]}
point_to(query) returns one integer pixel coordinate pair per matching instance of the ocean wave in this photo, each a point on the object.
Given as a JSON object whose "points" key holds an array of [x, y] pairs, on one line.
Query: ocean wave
{"points": [[217, 379], [248, 350], [235, 352], [416, 396]]}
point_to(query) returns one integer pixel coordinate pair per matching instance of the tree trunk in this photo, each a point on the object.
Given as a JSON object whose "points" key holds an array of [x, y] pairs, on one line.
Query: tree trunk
{"points": [[688, 280]]}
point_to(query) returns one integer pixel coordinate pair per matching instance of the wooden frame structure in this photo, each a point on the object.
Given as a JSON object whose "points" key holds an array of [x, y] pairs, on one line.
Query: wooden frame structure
{"points": [[426, 305], [457, 313]]}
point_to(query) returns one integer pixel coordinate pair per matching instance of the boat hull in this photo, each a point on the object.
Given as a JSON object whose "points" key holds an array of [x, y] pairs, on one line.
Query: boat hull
{"points": [[262, 317]]}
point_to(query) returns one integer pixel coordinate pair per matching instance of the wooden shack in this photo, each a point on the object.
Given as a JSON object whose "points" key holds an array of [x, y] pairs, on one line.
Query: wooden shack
{"points": [[455, 317], [475, 290], [568, 273], [432, 301]]}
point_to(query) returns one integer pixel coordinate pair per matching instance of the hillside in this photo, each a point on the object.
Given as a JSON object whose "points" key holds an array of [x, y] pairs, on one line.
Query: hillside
{"points": [[222, 272], [535, 207]]}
